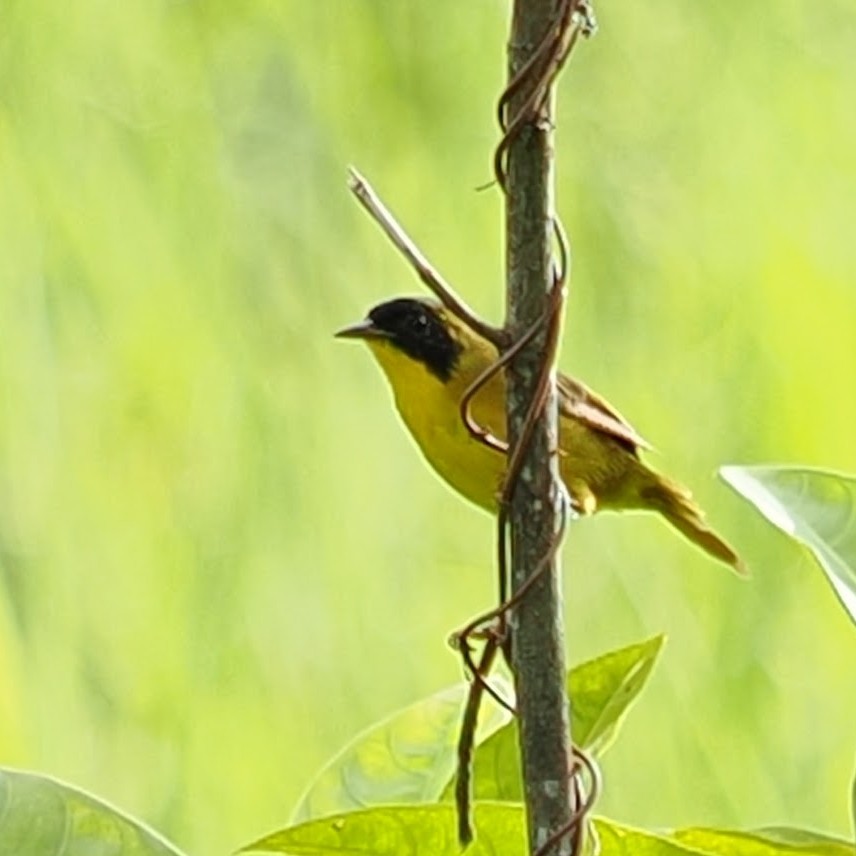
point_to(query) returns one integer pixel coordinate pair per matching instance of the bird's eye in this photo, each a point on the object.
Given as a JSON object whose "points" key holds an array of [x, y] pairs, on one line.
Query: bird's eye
{"points": [[420, 322]]}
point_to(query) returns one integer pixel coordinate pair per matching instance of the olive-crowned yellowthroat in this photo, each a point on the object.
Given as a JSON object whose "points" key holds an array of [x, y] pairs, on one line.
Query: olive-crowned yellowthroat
{"points": [[430, 357]]}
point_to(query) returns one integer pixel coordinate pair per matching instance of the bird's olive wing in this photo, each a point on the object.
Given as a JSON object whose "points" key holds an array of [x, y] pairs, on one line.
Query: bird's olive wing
{"points": [[577, 401]]}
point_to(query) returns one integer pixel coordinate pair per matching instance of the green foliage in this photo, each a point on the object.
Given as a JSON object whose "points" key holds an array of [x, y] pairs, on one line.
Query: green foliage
{"points": [[401, 831], [601, 691], [815, 507], [765, 842], [429, 830], [406, 758], [40, 816], [500, 831], [378, 797], [624, 841]]}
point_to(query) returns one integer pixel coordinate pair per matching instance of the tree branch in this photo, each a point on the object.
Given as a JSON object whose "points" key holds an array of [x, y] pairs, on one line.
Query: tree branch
{"points": [[535, 508]]}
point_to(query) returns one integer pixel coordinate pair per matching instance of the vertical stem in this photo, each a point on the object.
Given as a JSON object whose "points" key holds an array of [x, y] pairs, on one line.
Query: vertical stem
{"points": [[538, 633]]}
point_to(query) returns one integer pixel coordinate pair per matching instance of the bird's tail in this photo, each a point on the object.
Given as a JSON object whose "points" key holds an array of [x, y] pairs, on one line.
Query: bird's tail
{"points": [[676, 504]]}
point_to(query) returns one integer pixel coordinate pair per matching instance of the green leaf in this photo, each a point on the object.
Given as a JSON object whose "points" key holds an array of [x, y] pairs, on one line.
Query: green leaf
{"points": [[815, 507], [431, 831], [40, 816], [406, 758], [765, 842], [401, 831], [617, 840], [601, 691], [500, 831]]}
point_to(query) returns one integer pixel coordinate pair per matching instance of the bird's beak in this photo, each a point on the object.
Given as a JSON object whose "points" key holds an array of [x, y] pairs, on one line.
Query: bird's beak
{"points": [[361, 330]]}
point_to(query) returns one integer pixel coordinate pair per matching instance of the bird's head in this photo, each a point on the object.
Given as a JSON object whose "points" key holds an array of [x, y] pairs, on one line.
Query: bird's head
{"points": [[412, 334]]}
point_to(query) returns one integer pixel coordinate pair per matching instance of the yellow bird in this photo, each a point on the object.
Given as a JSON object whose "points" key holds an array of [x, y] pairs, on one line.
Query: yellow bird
{"points": [[430, 357]]}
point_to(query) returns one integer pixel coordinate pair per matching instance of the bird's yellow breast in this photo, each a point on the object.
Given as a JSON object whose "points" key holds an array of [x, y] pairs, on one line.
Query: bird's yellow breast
{"points": [[597, 471], [430, 410]]}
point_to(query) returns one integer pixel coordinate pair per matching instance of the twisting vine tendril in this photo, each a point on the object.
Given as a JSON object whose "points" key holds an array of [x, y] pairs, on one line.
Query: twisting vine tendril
{"points": [[574, 18]]}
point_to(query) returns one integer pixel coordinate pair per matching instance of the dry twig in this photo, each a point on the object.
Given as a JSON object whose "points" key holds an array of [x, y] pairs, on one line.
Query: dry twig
{"points": [[424, 269]]}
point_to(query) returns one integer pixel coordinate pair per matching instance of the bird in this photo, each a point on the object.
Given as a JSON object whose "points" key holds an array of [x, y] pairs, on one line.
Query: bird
{"points": [[430, 357]]}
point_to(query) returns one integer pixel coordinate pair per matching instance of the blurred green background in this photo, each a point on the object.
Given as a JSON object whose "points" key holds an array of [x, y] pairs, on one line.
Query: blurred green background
{"points": [[220, 555]]}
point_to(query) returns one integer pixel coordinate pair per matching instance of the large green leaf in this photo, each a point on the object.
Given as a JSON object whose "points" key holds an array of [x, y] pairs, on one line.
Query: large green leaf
{"points": [[430, 831], [40, 816], [816, 507], [401, 831], [617, 840], [764, 842], [407, 758], [601, 691]]}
